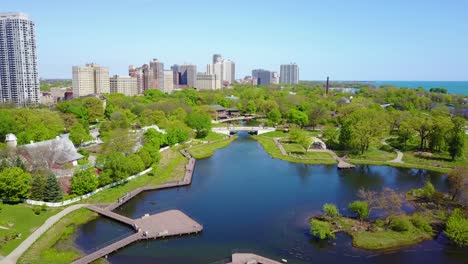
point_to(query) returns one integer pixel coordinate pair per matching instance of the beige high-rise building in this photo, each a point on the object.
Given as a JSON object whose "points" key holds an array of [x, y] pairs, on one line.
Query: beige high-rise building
{"points": [[90, 79], [124, 85], [168, 81], [217, 70], [229, 71], [206, 81]]}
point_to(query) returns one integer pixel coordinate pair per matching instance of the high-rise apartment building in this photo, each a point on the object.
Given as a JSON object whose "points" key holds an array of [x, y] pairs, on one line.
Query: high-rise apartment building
{"points": [[217, 70], [176, 74], [137, 73], [206, 81], [263, 77], [229, 71], [188, 74], [90, 79], [123, 84], [157, 69], [19, 80], [289, 73], [168, 81]]}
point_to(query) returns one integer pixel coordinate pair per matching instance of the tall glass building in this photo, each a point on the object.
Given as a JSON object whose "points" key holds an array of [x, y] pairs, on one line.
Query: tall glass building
{"points": [[19, 80]]}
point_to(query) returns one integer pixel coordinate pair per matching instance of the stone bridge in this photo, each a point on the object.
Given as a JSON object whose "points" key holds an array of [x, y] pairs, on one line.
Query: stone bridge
{"points": [[233, 129]]}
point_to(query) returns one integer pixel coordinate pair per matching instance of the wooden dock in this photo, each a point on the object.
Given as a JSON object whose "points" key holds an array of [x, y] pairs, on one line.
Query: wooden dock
{"points": [[242, 258], [161, 225]]}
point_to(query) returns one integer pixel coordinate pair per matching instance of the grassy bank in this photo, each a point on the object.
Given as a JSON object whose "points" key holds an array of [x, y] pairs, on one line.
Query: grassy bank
{"points": [[271, 148], [57, 244], [170, 167], [207, 150], [388, 239], [20, 221]]}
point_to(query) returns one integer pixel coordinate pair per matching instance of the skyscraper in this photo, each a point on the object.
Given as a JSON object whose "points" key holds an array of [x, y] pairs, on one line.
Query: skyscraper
{"points": [[19, 80], [176, 74], [289, 73], [263, 77], [188, 74], [217, 70], [229, 71], [168, 81], [157, 69], [217, 58], [90, 79]]}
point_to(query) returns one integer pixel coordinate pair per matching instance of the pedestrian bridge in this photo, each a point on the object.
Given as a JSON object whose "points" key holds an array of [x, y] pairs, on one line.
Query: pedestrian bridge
{"points": [[257, 130]]}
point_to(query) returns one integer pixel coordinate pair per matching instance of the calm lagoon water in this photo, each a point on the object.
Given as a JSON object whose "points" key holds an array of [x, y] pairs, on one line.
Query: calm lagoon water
{"points": [[248, 201]]}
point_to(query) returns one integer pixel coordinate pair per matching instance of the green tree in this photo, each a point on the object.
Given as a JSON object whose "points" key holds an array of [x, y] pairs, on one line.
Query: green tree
{"points": [[321, 229], [84, 182], [274, 116], [317, 114], [53, 192], [14, 184], [330, 210], [145, 157], [456, 228], [251, 108], [134, 164], [360, 208], [200, 122], [38, 184], [422, 125], [456, 141], [78, 134], [457, 187], [297, 117]]}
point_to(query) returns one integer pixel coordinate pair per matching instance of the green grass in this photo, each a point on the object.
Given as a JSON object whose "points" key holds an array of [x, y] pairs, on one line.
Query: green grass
{"points": [[207, 150], [170, 167], [388, 239], [275, 134], [213, 136], [56, 244], [23, 222], [375, 153], [271, 148]]}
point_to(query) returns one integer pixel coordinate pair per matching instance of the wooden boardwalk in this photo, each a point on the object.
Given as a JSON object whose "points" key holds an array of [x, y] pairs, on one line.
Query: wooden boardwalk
{"points": [[242, 258], [161, 225]]}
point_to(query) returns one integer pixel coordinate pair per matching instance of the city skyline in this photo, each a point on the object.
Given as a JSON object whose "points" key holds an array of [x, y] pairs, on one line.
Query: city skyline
{"points": [[346, 41]]}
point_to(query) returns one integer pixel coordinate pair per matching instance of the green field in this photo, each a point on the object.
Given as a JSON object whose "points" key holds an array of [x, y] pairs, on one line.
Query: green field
{"points": [[21, 221], [207, 150]]}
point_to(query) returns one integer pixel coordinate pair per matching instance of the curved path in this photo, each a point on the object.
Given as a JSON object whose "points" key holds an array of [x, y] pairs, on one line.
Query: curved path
{"points": [[15, 254], [399, 158]]}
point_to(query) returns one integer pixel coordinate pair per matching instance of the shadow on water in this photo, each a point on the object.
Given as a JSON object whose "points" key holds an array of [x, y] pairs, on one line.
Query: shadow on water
{"points": [[247, 200]]}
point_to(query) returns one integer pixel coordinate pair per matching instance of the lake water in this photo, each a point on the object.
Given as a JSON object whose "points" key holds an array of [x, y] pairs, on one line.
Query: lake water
{"points": [[249, 202], [454, 87]]}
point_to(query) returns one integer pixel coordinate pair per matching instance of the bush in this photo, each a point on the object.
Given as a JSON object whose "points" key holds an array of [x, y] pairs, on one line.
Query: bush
{"points": [[321, 229], [457, 228], [380, 223], [421, 223], [427, 191], [84, 181], [400, 224], [330, 210], [360, 208], [37, 210]]}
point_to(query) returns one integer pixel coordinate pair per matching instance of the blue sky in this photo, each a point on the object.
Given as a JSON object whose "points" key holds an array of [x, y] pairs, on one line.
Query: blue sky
{"points": [[345, 39]]}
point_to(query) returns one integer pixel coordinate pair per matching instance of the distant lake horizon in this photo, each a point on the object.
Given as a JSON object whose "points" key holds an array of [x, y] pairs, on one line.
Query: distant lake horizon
{"points": [[453, 87]]}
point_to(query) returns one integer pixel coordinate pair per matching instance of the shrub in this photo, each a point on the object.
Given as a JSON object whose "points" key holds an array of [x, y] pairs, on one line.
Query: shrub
{"points": [[380, 223], [360, 208], [457, 228], [321, 229], [421, 223], [427, 191], [330, 210], [37, 210], [400, 224]]}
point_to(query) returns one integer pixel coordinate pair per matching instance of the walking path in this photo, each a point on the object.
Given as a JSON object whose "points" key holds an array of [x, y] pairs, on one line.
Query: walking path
{"points": [[15, 254], [399, 158]]}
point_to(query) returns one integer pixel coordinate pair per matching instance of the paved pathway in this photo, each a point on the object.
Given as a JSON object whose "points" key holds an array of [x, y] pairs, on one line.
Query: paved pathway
{"points": [[242, 258], [399, 158], [15, 254]]}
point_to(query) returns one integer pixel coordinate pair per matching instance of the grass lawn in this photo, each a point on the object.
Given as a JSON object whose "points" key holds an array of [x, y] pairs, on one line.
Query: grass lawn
{"points": [[275, 134], [388, 239], [207, 150], [56, 245], [213, 136], [23, 222], [271, 148], [375, 153]]}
